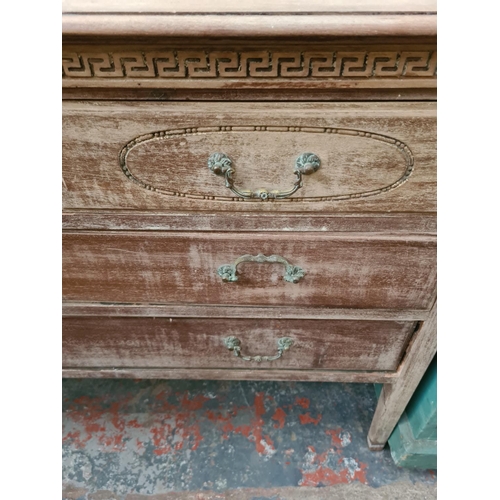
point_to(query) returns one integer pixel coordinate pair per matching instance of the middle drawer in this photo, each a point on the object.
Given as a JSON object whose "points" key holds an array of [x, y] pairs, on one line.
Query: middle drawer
{"points": [[334, 270]]}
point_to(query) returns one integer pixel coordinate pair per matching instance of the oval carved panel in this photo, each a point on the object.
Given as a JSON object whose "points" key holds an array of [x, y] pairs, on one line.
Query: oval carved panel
{"points": [[354, 163]]}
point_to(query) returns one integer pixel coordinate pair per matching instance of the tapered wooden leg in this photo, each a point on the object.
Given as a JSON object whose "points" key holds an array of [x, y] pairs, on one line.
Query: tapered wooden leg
{"points": [[394, 397]]}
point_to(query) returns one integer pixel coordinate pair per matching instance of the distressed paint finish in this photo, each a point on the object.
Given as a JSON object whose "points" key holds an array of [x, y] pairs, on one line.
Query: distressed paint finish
{"points": [[133, 439], [235, 222], [139, 258], [94, 342], [344, 147], [394, 398], [343, 269], [95, 134]]}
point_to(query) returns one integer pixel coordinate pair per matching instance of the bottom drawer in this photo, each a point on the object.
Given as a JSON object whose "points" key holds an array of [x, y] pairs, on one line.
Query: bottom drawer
{"points": [[95, 342]]}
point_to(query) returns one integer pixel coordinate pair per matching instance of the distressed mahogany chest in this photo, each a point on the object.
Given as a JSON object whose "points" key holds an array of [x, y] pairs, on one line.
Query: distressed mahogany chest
{"points": [[249, 192]]}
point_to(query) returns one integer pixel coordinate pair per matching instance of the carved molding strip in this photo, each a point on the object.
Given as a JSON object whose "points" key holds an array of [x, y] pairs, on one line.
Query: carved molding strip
{"points": [[167, 134], [257, 64]]}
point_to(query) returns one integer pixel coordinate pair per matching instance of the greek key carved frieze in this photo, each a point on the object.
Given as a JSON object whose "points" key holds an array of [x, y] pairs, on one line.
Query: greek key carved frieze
{"points": [[258, 64]]}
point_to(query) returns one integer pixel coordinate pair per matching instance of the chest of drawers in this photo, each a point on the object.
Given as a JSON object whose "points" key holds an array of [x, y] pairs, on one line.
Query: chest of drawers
{"points": [[250, 193]]}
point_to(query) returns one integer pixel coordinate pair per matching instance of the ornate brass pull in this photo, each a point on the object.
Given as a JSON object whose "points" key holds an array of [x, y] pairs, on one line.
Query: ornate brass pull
{"points": [[234, 343], [292, 273], [221, 164]]}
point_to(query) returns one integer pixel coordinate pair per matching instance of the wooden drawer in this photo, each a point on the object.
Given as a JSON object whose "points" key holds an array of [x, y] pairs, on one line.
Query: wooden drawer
{"points": [[341, 270], [100, 342], [370, 157]]}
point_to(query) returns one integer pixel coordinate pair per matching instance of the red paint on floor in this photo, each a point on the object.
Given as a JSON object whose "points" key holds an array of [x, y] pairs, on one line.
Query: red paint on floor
{"points": [[244, 430], [109, 426], [194, 430], [173, 428], [253, 432], [218, 418], [117, 420], [195, 403], [319, 472], [335, 435], [259, 404], [304, 402], [74, 437], [279, 416], [173, 432], [322, 475], [263, 443], [360, 475], [159, 438], [93, 427], [134, 424], [307, 419]]}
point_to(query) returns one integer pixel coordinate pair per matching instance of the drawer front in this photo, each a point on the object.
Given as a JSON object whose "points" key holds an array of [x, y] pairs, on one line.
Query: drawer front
{"points": [[203, 343], [265, 157], [340, 270]]}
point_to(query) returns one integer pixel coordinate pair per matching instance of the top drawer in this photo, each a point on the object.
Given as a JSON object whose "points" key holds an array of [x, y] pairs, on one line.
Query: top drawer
{"points": [[369, 157]]}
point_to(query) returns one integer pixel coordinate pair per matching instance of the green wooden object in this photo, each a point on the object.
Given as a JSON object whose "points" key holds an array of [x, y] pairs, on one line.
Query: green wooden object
{"points": [[413, 442]]}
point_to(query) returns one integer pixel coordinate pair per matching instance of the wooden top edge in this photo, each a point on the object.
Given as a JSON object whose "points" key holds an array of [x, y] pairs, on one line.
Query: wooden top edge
{"points": [[247, 6], [249, 26]]}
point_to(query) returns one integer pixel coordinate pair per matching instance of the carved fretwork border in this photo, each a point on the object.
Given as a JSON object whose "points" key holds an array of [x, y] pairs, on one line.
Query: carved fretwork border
{"points": [[252, 64]]}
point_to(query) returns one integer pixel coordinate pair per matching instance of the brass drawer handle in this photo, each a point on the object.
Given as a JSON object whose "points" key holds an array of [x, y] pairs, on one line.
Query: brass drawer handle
{"points": [[221, 164], [292, 273], [234, 343]]}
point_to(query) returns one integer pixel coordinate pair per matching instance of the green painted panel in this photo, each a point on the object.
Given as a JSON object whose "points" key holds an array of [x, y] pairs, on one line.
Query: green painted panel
{"points": [[413, 442], [422, 408], [409, 452]]}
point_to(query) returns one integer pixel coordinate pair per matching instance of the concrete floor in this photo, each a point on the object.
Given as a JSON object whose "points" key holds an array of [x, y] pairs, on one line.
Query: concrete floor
{"points": [[207, 440]]}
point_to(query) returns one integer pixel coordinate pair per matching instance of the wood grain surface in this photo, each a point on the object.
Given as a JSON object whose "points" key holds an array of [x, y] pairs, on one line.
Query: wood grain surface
{"points": [[79, 309], [198, 343], [256, 18], [250, 26], [357, 271], [116, 92], [364, 377], [246, 6], [94, 133], [385, 223]]}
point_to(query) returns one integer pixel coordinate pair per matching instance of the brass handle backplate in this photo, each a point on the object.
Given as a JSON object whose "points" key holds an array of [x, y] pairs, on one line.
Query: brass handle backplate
{"points": [[292, 274], [221, 164], [234, 344]]}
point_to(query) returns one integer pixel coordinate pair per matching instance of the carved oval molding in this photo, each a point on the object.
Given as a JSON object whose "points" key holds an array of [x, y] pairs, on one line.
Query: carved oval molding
{"points": [[143, 140]]}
